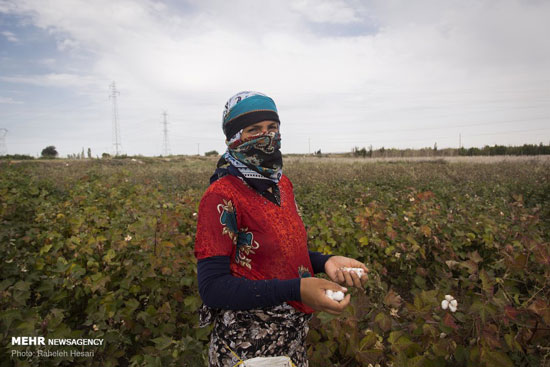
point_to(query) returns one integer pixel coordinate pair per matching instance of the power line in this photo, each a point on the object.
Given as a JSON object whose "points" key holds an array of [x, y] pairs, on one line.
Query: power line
{"points": [[165, 145], [116, 128], [450, 137]]}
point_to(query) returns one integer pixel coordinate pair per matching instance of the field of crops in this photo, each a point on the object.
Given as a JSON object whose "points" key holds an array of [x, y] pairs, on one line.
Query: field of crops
{"points": [[104, 249]]}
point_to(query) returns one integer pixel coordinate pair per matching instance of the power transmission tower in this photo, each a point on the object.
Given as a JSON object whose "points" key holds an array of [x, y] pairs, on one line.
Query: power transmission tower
{"points": [[165, 145], [116, 128], [3, 149]]}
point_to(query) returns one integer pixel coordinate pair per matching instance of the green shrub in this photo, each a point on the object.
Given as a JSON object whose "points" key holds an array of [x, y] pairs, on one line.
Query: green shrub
{"points": [[104, 250]]}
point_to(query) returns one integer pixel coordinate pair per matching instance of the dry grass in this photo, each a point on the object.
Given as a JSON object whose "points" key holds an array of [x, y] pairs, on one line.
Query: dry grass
{"points": [[458, 159]]}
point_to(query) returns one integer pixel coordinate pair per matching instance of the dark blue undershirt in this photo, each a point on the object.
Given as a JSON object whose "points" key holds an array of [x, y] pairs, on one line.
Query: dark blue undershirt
{"points": [[219, 289]]}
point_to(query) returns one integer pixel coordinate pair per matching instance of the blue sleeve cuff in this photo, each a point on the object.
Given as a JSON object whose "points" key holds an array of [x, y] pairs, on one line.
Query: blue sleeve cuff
{"points": [[219, 289], [318, 261]]}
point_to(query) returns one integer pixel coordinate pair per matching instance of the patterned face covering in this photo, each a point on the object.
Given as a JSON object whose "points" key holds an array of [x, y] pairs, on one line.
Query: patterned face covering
{"points": [[260, 153], [256, 160]]}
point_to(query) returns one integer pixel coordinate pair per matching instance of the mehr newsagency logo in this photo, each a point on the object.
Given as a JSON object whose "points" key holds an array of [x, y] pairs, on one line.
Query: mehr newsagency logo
{"points": [[40, 341]]}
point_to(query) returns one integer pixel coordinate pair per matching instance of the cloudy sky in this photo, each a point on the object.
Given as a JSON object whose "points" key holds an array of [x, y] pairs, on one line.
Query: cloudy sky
{"points": [[344, 73]]}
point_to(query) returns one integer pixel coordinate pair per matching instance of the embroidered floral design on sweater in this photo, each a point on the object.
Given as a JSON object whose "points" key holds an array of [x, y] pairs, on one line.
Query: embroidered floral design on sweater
{"points": [[303, 272], [242, 239]]}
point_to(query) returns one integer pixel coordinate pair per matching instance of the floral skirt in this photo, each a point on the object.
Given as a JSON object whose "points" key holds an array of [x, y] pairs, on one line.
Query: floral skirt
{"points": [[266, 332]]}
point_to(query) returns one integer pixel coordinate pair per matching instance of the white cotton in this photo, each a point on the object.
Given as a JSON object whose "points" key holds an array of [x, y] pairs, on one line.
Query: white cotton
{"points": [[449, 302], [358, 271], [336, 296]]}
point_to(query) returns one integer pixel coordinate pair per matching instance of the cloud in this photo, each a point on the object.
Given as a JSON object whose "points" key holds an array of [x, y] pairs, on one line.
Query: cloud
{"points": [[395, 63], [9, 100], [53, 80], [48, 61], [67, 44], [10, 36], [326, 11]]}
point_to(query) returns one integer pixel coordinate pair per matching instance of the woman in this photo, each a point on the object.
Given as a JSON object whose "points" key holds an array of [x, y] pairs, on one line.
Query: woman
{"points": [[255, 272]]}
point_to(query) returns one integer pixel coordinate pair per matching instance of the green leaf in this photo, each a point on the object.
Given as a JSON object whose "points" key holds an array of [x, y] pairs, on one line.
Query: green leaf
{"points": [[45, 249], [368, 341], [162, 342], [418, 361], [487, 282], [512, 343], [109, 255], [325, 317], [77, 271], [495, 359], [383, 321], [9, 316], [5, 284], [22, 286]]}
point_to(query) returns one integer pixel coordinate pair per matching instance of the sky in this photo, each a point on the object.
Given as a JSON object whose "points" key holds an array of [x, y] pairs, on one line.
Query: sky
{"points": [[343, 73]]}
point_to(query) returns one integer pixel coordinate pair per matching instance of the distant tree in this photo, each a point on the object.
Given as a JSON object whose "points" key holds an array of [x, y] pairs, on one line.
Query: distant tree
{"points": [[89, 153], [17, 156], [359, 152], [49, 152], [435, 146], [105, 155], [210, 153]]}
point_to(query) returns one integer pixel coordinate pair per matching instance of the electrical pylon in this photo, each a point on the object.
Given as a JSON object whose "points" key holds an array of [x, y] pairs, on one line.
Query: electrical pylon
{"points": [[3, 149], [116, 129], [165, 144]]}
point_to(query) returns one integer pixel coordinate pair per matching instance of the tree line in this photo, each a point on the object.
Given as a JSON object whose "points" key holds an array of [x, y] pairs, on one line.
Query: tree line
{"points": [[50, 152], [525, 149]]}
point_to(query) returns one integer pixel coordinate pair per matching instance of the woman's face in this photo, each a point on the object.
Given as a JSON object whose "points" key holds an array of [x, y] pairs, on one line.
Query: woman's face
{"points": [[260, 128]]}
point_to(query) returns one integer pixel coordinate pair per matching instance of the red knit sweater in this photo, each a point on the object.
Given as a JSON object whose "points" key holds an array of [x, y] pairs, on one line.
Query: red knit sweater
{"points": [[263, 240]]}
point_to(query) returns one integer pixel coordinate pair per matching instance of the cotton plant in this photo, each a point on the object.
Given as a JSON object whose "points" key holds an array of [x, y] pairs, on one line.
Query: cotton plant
{"points": [[449, 302]]}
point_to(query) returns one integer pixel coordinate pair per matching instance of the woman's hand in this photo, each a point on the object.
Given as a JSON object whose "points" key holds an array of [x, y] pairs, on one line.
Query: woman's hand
{"points": [[333, 268], [312, 291]]}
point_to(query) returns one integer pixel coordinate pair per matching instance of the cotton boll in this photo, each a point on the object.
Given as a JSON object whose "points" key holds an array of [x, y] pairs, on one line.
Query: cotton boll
{"points": [[444, 304], [336, 296], [358, 271], [454, 303], [452, 308], [449, 298]]}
